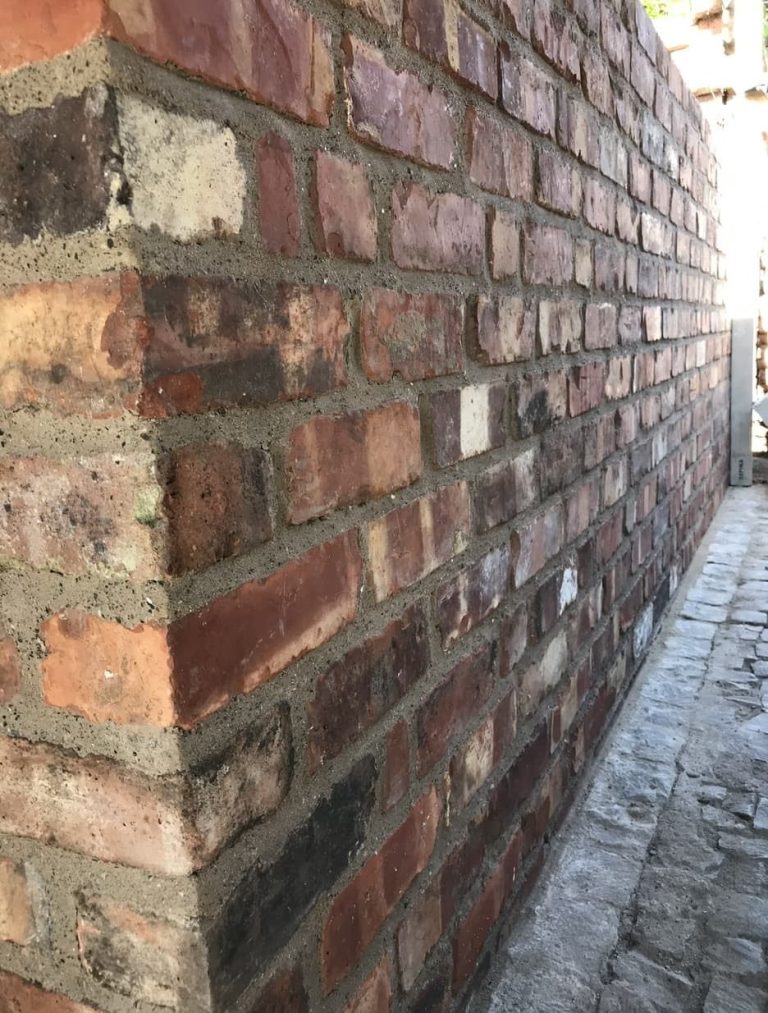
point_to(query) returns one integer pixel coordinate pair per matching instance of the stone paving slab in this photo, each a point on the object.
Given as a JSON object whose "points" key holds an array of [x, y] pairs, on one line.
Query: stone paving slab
{"points": [[655, 898]]}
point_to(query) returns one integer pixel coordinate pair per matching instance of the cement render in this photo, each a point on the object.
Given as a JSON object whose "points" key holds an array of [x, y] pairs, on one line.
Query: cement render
{"points": [[655, 895]]}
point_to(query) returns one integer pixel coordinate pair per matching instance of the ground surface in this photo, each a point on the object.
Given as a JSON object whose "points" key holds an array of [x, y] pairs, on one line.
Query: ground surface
{"points": [[656, 895]]}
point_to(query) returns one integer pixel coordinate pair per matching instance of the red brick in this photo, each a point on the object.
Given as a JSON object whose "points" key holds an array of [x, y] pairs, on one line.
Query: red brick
{"points": [[543, 675], [418, 933], [416, 335], [504, 245], [217, 503], [476, 926], [154, 675], [639, 178], [599, 206], [615, 40], [443, 32], [363, 906], [577, 129], [219, 343], [279, 216], [41, 29], [505, 490], [462, 694], [642, 76], [284, 993], [346, 217], [409, 543], [610, 265], [17, 909], [627, 222], [585, 388], [10, 670], [396, 775], [581, 508], [601, 326], [553, 36], [19, 996], [514, 640], [464, 602], [629, 325], [515, 14], [376, 91], [560, 326], [540, 402], [597, 82], [500, 159], [527, 92], [370, 678], [144, 957], [547, 255], [558, 185], [340, 460], [467, 422], [538, 541], [505, 328], [375, 994], [436, 232], [473, 764]]}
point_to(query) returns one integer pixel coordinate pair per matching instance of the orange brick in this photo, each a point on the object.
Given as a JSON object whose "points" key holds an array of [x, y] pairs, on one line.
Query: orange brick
{"points": [[10, 670], [39, 29], [17, 920]]}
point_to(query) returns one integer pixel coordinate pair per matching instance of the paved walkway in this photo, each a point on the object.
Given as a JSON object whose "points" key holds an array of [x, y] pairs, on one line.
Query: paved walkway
{"points": [[656, 895]]}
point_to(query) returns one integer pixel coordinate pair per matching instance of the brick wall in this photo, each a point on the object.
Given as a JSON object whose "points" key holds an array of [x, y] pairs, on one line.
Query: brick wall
{"points": [[364, 386]]}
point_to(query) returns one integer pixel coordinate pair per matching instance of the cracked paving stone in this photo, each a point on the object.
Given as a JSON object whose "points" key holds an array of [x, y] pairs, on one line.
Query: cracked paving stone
{"points": [[750, 617], [706, 613], [760, 821], [726, 995], [738, 956]]}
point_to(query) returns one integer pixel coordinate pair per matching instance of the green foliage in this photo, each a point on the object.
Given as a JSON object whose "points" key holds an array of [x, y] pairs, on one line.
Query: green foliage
{"points": [[656, 8]]}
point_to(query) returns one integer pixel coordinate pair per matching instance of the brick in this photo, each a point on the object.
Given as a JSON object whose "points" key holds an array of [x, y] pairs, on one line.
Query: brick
{"points": [[597, 82], [547, 255], [601, 329], [10, 670], [150, 674], [540, 402], [436, 232], [279, 215], [375, 90], [560, 326], [375, 993], [463, 602], [652, 323], [264, 910], [615, 40], [141, 956], [21, 996], [505, 329], [17, 905], [642, 76], [52, 166], [218, 503], [627, 222], [504, 245], [527, 92], [610, 267], [440, 30], [360, 910], [543, 675], [581, 508], [418, 335], [630, 318], [409, 543], [473, 764], [558, 185], [514, 640], [346, 217], [462, 694], [500, 159], [561, 459], [341, 460], [371, 678], [396, 775], [253, 344], [577, 129], [505, 490], [639, 178], [225, 46], [467, 422], [585, 388], [618, 382], [418, 933], [184, 173], [599, 206], [284, 993], [538, 541]]}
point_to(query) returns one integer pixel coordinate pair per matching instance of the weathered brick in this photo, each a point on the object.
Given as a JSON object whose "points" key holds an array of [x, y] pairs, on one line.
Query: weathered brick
{"points": [[630, 318], [360, 910], [543, 675], [505, 329], [370, 678], [536, 543], [500, 159], [558, 185], [10, 670], [279, 215], [436, 232], [264, 910], [473, 764], [505, 490], [577, 129], [585, 387], [409, 543], [141, 956], [615, 39], [396, 775], [652, 323], [597, 81], [152, 675], [376, 92], [443, 32], [416, 335], [583, 271], [346, 217], [284, 993], [627, 222], [562, 454], [504, 245], [540, 402], [462, 694], [642, 76], [560, 326], [17, 904], [639, 178], [601, 329], [599, 206], [465, 601], [418, 933], [375, 993], [527, 92], [21, 996], [618, 382], [610, 267], [581, 508], [339, 460], [467, 422], [547, 255]]}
